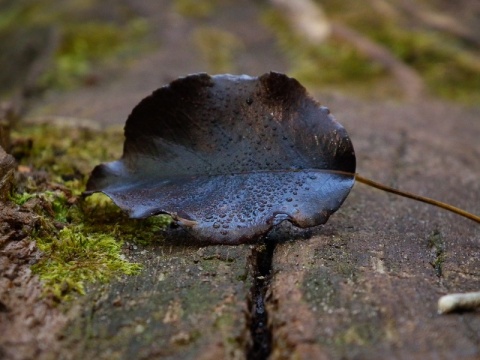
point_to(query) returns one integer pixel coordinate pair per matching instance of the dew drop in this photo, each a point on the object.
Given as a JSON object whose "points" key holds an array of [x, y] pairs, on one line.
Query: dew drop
{"points": [[289, 199], [249, 101], [216, 225]]}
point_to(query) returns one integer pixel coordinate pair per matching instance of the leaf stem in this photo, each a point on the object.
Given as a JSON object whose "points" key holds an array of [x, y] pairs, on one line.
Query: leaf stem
{"points": [[427, 200]]}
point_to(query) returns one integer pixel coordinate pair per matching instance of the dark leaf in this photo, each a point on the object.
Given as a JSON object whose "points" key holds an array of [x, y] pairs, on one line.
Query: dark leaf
{"points": [[229, 157]]}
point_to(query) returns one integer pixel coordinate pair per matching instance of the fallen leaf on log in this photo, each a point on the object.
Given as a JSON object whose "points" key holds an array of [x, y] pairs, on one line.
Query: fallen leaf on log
{"points": [[229, 157]]}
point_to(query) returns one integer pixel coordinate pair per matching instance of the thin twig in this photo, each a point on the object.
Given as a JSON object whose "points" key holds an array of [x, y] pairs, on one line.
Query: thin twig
{"points": [[426, 200]]}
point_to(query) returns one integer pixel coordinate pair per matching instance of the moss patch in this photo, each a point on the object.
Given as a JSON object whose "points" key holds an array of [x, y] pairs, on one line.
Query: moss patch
{"points": [[436, 245], [82, 240], [73, 257], [84, 46]]}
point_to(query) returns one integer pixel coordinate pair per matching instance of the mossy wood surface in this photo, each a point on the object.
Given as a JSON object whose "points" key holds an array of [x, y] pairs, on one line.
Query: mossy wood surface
{"points": [[187, 303], [365, 286]]}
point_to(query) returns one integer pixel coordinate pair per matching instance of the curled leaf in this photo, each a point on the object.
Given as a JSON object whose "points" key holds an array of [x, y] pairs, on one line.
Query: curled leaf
{"points": [[229, 157]]}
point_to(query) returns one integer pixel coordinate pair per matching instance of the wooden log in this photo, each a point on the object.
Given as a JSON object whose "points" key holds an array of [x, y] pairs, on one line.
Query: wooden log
{"points": [[366, 285], [187, 303]]}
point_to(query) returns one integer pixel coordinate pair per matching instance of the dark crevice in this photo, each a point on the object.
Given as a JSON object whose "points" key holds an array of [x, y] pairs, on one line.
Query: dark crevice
{"points": [[261, 336]]}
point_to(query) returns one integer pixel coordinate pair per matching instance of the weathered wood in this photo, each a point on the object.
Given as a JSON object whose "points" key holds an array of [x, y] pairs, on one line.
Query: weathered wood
{"points": [[187, 303], [366, 286]]}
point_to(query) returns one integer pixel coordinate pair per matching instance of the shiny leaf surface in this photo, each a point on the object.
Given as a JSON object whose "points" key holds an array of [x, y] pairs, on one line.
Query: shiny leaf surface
{"points": [[229, 157]]}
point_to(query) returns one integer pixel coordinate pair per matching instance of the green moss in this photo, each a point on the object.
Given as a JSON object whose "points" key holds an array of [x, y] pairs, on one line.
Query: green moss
{"points": [[85, 45], [436, 244], [21, 199], [73, 257], [99, 212], [67, 153], [58, 205], [81, 239]]}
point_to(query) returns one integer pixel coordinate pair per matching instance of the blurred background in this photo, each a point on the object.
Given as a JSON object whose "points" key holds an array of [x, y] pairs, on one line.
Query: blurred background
{"points": [[97, 59]]}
